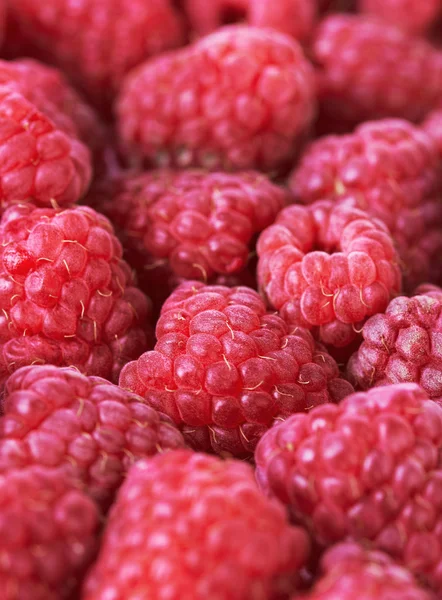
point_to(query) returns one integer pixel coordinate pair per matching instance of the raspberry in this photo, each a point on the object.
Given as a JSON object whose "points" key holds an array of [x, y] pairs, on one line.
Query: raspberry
{"points": [[241, 98], [293, 17], [48, 530], [328, 266], [86, 425], [98, 41], [191, 526], [66, 295], [404, 344], [349, 571], [370, 70], [409, 15], [201, 223], [390, 169], [365, 470], [224, 370], [433, 127]]}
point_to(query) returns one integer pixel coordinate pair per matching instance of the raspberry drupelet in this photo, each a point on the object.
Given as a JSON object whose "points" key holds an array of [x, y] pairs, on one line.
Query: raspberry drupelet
{"points": [[368, 69], [98, 41], [367, 470], [48, 534], [91, 428], [240, 98], [389, 168], [224, 370], [293, 17], [433, 127], [349, 571], [328, 267], [187, 526], [66, 296], [409, 15], [403, 344]]}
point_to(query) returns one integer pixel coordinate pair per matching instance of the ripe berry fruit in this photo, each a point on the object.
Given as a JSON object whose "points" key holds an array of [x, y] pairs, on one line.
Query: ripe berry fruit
{"points": [[224, 370], [433, 127], [328, 266], [66, 296], [86, 425], [409, 15], [241, 98], [365, 470], [191, 527]]}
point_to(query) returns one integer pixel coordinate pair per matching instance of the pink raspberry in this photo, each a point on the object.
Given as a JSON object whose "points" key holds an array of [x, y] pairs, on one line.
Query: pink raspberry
{"points": [[365, 470], [66, 296], [328, 266], [368, 69], [293, 17], [390, 169], [192, 526], [403, 344], [433, 127], [86, 425], [241, 98], [48, 534], [350, 572], [201, 224], [98, 41], [224, 370], [409, 15]]}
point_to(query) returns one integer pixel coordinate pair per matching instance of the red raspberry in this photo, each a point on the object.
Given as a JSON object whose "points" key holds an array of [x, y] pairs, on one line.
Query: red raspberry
{"points": [[241, 98], [390, 169], [224, 370], [98, 41], [404, 344], [87, 425], [190, 526], [367, 470], [433, 127], [48, 530], [409, 15], [370, 70], [328, 266], [201, 223], [294, 17], [66, 295], [350, 572]]}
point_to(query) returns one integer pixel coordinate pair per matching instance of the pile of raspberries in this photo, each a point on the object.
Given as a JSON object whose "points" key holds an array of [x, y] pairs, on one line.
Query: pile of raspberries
{"points": [[221, 300]]}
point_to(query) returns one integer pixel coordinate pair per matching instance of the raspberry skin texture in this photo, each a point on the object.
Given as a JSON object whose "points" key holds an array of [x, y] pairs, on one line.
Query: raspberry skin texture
{"points": [[390, 169], [328, 267], [410, 16], [89, 427], [433, 127], [223, 370], [98, 41], [293, 17], [48, 534], [365, 470], [220, 537], [350, 572], [201, 224], [403, 344], [368, 69], [66, 296], [241, 98]]}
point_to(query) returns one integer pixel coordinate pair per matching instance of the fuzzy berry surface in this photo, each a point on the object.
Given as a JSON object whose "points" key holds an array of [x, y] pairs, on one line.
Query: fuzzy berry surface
{"points": [[66, 296], [293, 17], [349, 571], [409, 15], [368, 69], [48, 534], [240, 98], [187, 526], [224, 370], [200, 224], [390, 168], [98, 41], [433, 127], [402, 344], [328, 267], [365, 470], [93, 429]]}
